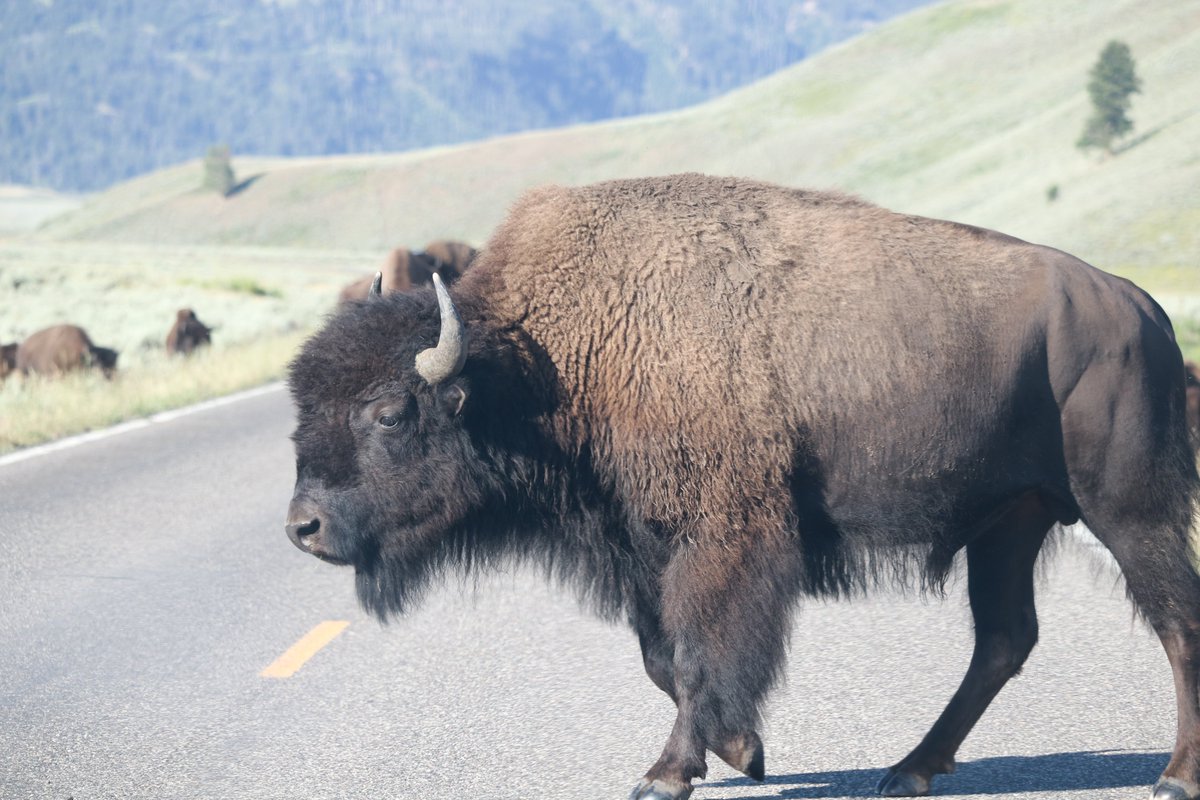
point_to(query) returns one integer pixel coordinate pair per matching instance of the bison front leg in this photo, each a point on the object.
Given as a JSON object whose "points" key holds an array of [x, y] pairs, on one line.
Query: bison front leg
{"points": [[744, 750], [724, 607]]}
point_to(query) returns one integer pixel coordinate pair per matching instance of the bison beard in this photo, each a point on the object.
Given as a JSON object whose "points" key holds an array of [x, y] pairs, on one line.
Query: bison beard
{"points": [[671, 399]]}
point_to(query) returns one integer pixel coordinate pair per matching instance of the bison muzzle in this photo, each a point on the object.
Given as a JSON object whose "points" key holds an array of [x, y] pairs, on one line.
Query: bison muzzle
{"points": [[699, 400]]}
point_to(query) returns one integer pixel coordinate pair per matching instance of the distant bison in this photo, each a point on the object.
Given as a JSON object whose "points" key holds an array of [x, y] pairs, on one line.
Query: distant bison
{"points": [[62, 348], [8, 359], [667, 391], [403, 269], [187, 333], [1192, 371], [450, 258]]}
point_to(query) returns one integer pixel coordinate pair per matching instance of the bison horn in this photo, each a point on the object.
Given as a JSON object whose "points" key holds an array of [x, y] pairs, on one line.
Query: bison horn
{"points": [[376, 289], [443, 362]]}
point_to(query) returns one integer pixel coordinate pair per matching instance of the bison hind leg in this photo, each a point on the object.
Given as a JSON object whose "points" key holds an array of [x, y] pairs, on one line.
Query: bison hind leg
{"points": [[1134, 477], [1000, 578], [1174, 789]]}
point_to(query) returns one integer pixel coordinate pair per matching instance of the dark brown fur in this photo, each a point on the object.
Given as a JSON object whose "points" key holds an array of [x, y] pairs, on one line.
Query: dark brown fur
{"points": [[672, 399], [187, 333], [8, 359], [59, 349], [1192, 403]]}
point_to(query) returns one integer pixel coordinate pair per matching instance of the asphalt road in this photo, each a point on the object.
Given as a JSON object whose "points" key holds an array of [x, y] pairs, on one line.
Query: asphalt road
{"points": [[146, 583]]}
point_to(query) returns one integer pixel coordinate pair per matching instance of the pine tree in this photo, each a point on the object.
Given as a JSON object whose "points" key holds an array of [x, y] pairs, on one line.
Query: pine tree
{"points": [[1113, 82]]}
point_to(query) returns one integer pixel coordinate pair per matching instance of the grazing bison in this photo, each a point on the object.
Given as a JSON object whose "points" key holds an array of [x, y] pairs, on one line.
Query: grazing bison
{"points": [[668, 390], [1192, 376], [8, 359], [187, 333], [450, 258], [62, 348], [402, 270]]}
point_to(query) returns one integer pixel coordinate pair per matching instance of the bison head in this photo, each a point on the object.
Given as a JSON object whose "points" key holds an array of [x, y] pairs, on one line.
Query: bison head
{"points": [[8, 359], [105, 358], [387, 464]]}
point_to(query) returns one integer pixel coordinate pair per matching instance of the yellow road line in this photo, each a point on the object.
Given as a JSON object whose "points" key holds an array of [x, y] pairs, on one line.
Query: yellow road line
{"points": [[286, 665]]}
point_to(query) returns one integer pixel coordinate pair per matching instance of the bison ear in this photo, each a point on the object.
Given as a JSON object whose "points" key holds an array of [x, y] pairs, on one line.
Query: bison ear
{"points": [[453, 398]]}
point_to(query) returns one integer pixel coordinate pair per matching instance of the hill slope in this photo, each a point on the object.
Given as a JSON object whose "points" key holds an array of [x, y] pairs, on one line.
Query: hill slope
{"points": [[967, 110]]}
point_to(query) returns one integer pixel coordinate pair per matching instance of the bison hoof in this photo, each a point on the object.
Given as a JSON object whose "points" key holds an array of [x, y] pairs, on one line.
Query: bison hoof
{"points": [[660, 790], [903, 784], [1174, 789], [745, 754]]}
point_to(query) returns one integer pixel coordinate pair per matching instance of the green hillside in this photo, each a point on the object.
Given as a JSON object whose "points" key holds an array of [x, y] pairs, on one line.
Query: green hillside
{"points": [[968, 109]]}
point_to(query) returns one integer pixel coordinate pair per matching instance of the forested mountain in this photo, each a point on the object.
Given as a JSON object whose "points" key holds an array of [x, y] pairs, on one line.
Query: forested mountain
{"points": [[91, 93]]}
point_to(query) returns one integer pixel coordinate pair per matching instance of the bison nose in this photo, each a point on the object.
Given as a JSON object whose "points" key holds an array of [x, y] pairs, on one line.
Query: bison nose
{"points": [[300, 532], [303, 524]]}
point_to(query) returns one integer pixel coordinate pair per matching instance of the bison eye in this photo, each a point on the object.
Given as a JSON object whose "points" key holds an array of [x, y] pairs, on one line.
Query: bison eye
{"points": [[389, 421]]}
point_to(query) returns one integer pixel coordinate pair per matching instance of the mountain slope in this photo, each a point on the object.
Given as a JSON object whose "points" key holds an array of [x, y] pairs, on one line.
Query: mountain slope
{"points": [[967, 110]]}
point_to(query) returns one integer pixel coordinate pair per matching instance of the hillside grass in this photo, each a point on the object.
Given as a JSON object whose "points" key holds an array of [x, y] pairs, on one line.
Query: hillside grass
{"points": [[24, 208]]}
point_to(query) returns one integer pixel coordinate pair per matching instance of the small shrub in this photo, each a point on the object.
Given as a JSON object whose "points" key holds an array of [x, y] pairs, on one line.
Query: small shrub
{"points": [[218, 170], [250, 286], [1052, 193], [239, 285]]}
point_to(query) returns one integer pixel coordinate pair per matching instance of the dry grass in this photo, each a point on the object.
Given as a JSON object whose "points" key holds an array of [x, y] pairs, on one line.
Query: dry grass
{"points": [[36, 410]]}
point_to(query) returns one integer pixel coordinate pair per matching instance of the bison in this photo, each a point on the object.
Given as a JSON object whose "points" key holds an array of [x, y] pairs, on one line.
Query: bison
{"points": [[403, 269], [8, 359], [187, 333], [59, 349], [668, 391], [450, 258]]}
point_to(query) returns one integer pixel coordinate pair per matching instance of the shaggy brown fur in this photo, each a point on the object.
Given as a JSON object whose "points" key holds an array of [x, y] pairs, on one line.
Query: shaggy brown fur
{"points": [[61, 348], [187, 333], [672, 397]]}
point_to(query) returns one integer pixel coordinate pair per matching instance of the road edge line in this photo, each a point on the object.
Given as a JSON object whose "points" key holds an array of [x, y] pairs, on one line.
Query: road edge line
{"points": [[134, 424]]}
